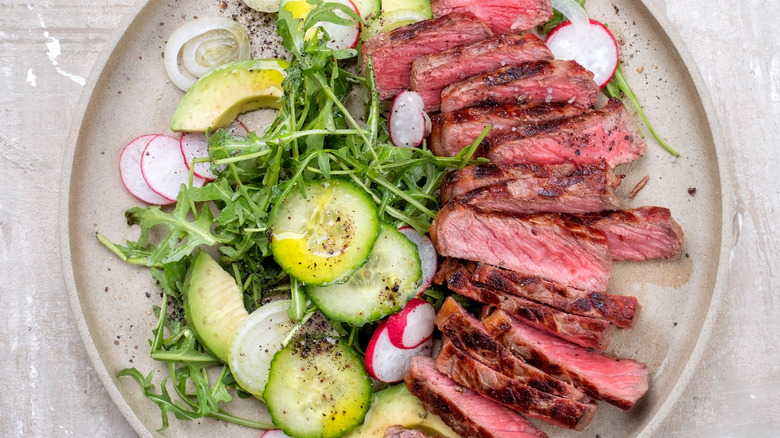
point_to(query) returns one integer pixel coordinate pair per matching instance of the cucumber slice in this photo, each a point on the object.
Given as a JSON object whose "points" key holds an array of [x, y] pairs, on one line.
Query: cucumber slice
{"points": [[324, 236], [392, 20], [317, 388], [381, 287], [368, 9], [256, 341]]}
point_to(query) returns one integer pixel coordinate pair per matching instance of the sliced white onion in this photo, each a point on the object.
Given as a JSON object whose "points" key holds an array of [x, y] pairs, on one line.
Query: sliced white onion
{"points": [[579, 18], [204, 44]]}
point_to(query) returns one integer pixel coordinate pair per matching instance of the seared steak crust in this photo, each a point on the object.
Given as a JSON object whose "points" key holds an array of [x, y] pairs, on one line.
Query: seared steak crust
{"points": [[585, 189], [471, 373], [620, 310], [453, 131], [644, 233], [503, 16], [607, 134], [470, 335], [394, 52], [531, 82], [548, 245], [466, 412], [432, 73], [582, 330], [620, 382]]}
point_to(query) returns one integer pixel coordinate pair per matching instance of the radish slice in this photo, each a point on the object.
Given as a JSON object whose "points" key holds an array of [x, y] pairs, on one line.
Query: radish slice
{"points": [[386, 362], [599, 54], [196, 145], [413, 325], [407, 120], [342, 36], [428, 256], [164, 169], [130, 171], [274, 433], [575, 14]]}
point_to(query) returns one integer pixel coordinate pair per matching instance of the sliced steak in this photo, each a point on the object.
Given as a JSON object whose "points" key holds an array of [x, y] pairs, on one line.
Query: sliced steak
{"points": [[548, 245], [503, 16], [621, 310], [399, 431], [582, 330], [532, 82], [470, 335], [620, 382], [644, 233], [607, 134], [586, 189], [453, 131], [394, 52], [466, 412], [432, 73], [471, 373]]}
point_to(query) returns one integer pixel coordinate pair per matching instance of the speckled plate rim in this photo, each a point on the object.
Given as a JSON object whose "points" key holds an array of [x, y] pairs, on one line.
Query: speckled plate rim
{"points": [[64, 220], [655, 8]]}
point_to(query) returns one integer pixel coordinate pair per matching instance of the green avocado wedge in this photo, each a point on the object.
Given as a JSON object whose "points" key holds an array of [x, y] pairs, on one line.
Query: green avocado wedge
{"points": [[213, 305], [218, 97]]}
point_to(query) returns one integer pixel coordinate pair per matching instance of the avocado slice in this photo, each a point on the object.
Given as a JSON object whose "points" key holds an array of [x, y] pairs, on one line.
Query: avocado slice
{"points": [[213, 304], [395, 405], [218, 97]]}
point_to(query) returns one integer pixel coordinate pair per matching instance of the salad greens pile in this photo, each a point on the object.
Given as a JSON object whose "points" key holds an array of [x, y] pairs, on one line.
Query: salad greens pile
{"points": [[313, 137]]}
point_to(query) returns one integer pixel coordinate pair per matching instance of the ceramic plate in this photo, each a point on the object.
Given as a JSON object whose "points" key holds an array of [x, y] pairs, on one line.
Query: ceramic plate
{"points": [[129, 95]]}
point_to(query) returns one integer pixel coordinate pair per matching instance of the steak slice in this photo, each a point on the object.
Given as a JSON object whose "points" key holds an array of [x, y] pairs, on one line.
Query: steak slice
{"points": [[503, 16], [607, 134], [643, 233], [621, 310], [471, 373], [393, 52], [582, 330], [470, 335], [453, 131], [466, 412], [620, 382], [432, 73], [548, 245], [584, 190], [532, 82]]}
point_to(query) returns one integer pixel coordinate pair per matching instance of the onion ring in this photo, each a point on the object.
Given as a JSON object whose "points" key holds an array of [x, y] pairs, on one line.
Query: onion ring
{"points": [[204, 44]]}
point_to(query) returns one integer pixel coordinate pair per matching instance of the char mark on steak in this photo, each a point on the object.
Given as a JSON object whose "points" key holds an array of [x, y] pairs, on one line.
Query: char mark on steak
{"points": [[470, 335], [453, 131], [621, 310], [549, 245], [620, 382], [394, 52], [531, 82], [466, 412], [582, 330], [607, 134], [584, 189], [432, 73], [471, 373], [503, 16], [644, 233]]}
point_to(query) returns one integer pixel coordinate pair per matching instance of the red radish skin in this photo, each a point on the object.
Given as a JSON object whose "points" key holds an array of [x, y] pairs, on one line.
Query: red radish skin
{"points": [[429, 259], [386, 362], [413, 325], [164, 169], [599, 54], [196, 145], [131, 175], [407, 121], [343, 36]]}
